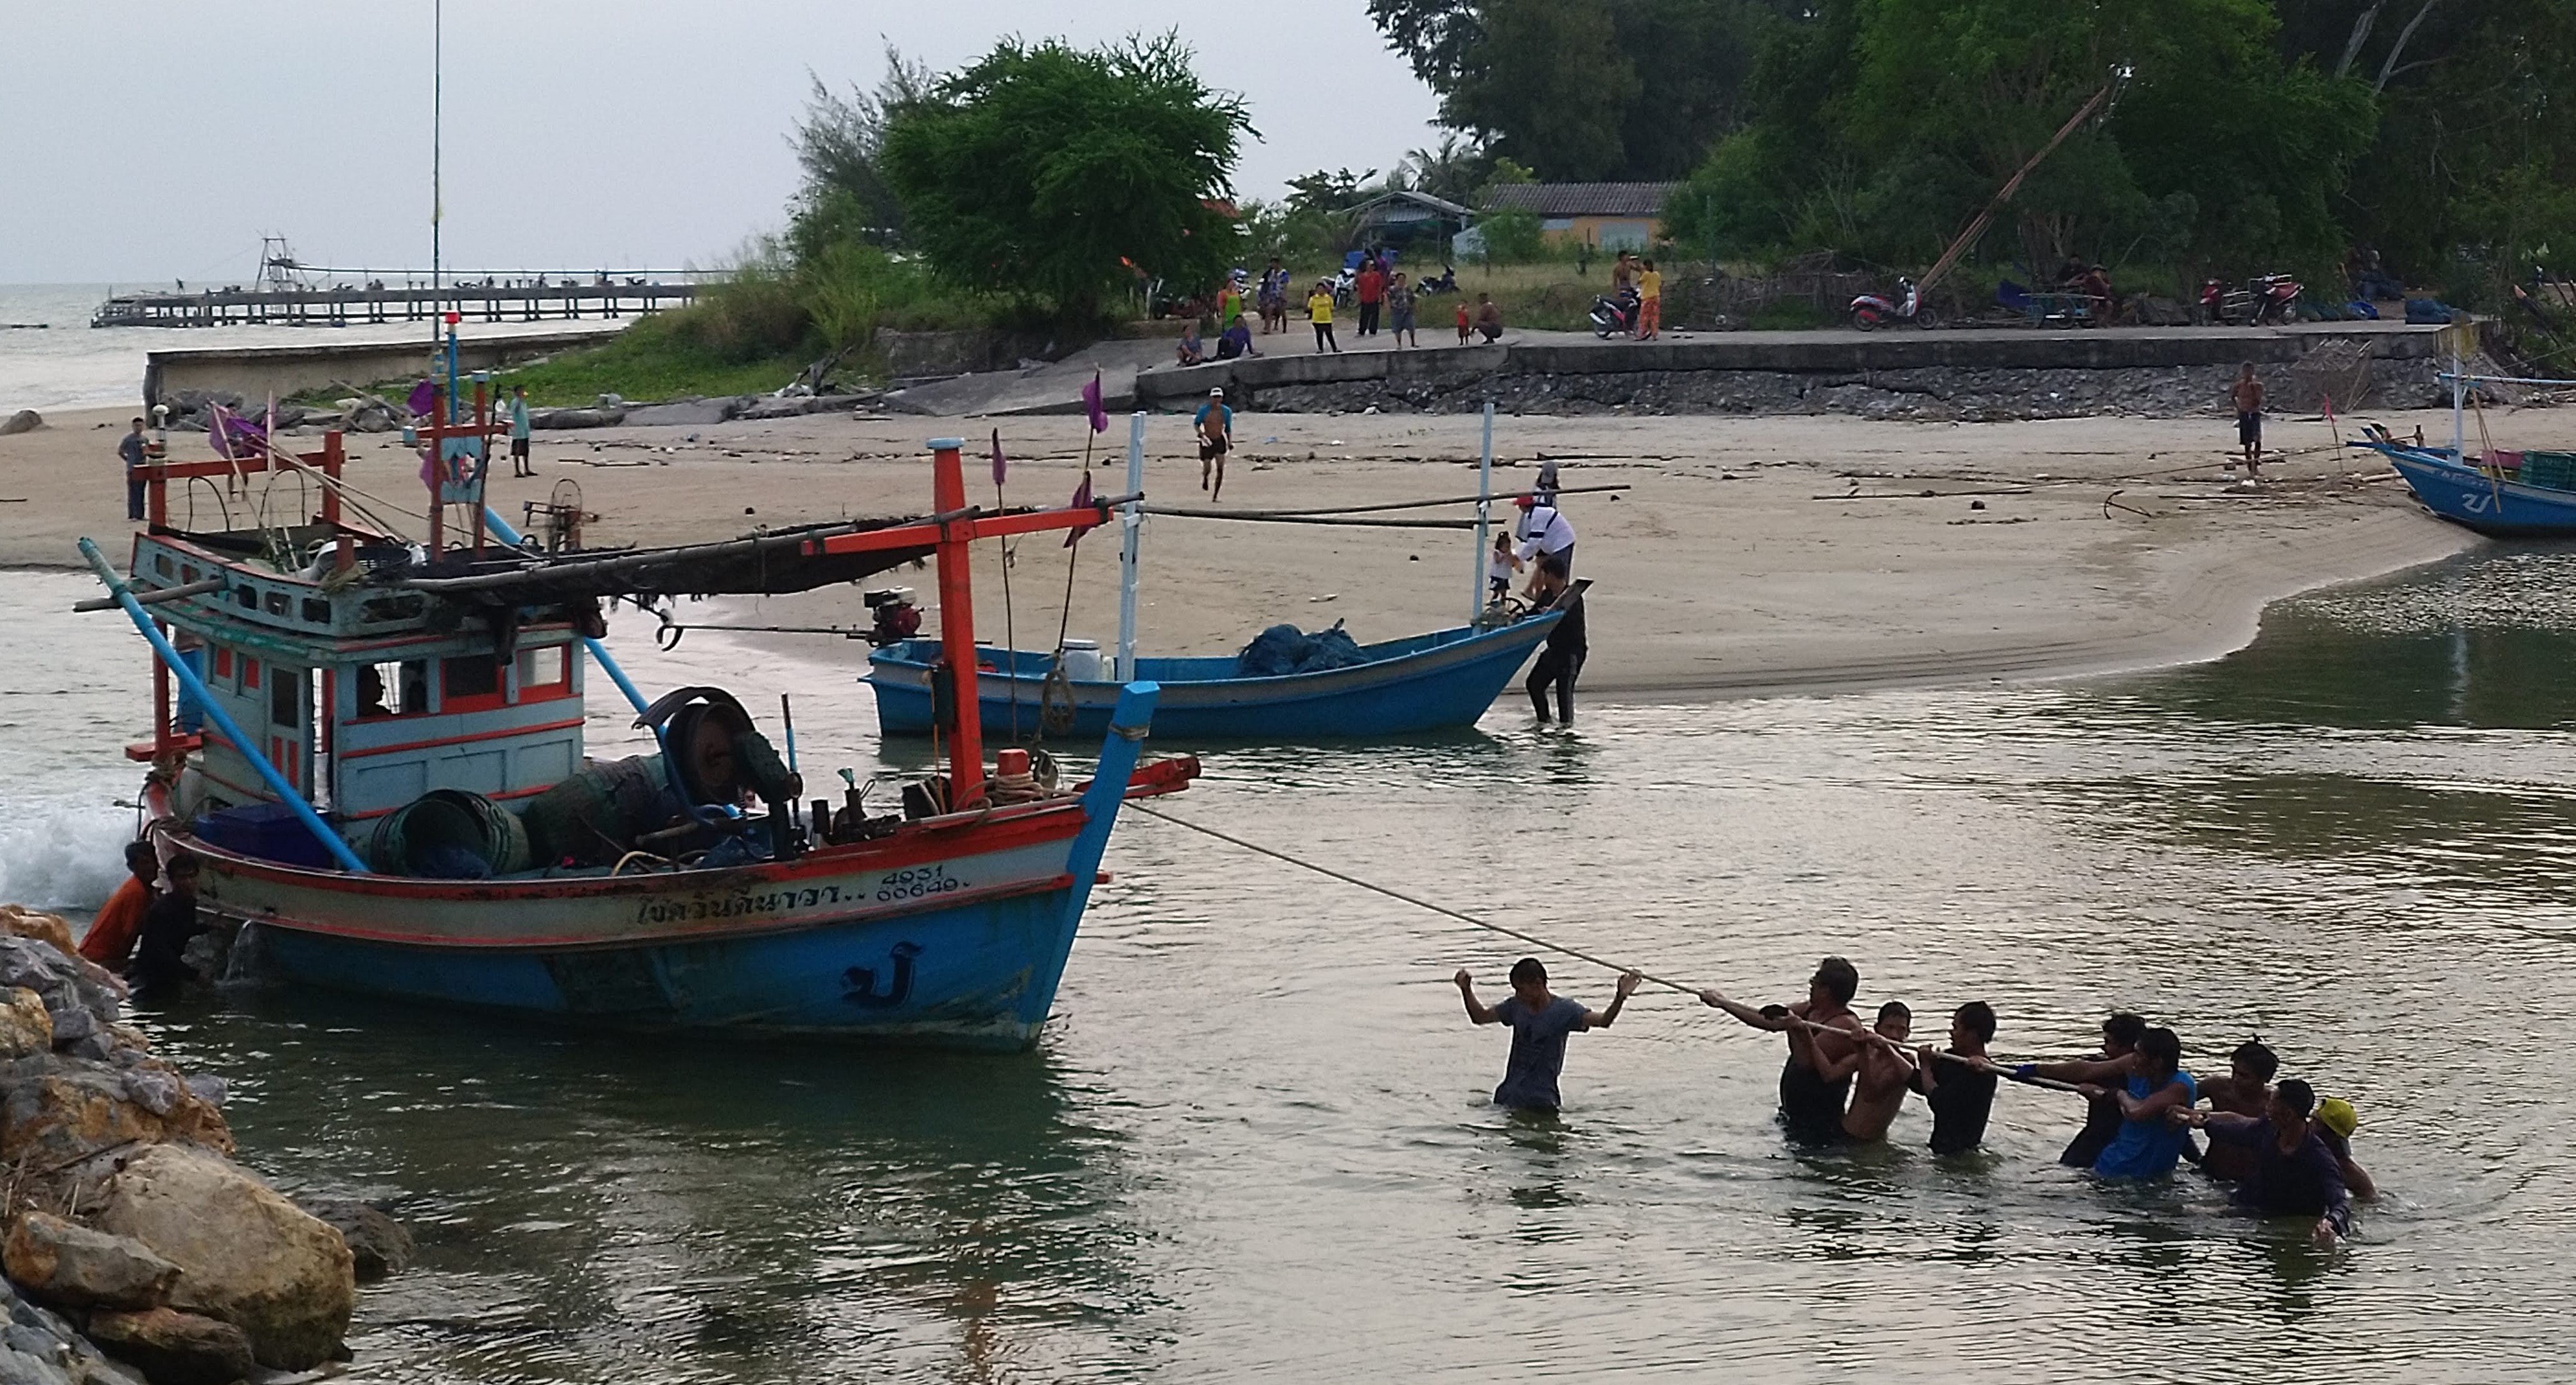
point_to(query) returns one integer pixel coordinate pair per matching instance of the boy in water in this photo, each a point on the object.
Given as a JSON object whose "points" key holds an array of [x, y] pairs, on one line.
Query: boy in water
{"points": [[2245, 1091], [1540, 1021], [1879, 1087], [1961, 1095], [110, 939], [1816, 1080]]}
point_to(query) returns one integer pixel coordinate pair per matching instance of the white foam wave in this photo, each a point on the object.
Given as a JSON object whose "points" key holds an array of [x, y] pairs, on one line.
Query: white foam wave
{"points": [[57, 856]]}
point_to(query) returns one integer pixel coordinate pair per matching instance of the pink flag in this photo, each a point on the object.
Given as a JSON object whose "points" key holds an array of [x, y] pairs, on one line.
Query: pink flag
{"points": [[998, 466], [1081, 497], [1091, 401]]}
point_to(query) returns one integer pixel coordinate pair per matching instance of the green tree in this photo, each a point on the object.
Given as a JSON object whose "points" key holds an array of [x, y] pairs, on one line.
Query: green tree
{"points": [[837, 142], [1546, 84], [1054, 175]]}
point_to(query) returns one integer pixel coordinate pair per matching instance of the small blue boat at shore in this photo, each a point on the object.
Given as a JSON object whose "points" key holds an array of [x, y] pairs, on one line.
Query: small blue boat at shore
{"points": [[2498, 501], [1430, 682]]}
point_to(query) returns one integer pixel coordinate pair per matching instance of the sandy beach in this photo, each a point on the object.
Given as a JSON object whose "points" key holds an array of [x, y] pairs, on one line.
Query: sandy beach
{"points": [[1720, 571]]}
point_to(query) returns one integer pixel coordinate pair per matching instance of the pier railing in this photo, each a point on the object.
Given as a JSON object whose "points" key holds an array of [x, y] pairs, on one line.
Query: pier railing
{"points": [[343, 306]]}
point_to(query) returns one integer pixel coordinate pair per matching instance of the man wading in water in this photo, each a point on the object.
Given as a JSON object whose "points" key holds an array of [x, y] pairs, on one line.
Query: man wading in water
{"points": [[1817, 1078], [1878, 1092], [1540, 1021], [2102, 1119]]}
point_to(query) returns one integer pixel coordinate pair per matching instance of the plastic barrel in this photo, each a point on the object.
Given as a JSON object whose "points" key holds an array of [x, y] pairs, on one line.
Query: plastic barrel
{"points": [[447, 834]]}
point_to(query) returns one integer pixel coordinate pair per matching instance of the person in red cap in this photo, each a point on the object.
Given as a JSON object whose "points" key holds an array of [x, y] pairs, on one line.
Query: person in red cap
{"points": [[1545, 532]]}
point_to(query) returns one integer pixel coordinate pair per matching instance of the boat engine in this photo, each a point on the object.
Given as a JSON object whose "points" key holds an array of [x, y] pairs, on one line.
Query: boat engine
{"points": [[897, 619]]}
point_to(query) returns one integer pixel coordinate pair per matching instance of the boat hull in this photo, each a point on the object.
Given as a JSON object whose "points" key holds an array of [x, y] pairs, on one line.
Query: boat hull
{"points": [[2468, 497], [1433, 682]]}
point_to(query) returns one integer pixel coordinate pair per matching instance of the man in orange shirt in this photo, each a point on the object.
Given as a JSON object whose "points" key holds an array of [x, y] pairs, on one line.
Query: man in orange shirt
{"points": [[110, 939]]}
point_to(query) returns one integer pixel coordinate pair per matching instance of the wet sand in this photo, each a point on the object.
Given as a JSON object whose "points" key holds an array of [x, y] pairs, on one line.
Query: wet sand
{"points": [[1719, 572]]}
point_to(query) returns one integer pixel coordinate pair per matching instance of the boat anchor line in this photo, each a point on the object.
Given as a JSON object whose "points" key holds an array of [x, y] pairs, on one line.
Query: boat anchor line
{"points": [[1561, 949], [861, 982]]}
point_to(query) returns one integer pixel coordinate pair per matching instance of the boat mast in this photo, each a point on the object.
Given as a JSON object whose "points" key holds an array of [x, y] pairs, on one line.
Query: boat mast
{"points": [[956, 521], [1131, 521], [1484, 516]]}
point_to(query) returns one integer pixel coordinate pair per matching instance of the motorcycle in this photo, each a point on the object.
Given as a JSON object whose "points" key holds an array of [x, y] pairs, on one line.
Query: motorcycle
{"points": [[2276, 299], [1870, 310], [1613, 317], [1445, 282]]}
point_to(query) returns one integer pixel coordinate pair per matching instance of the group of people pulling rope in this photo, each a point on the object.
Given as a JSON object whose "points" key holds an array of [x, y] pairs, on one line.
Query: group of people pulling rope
{"points": [[2285, 1152]]}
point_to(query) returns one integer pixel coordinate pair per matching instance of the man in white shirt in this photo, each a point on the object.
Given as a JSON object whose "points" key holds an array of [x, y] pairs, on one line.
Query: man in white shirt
{"points": [[1545, 532]]}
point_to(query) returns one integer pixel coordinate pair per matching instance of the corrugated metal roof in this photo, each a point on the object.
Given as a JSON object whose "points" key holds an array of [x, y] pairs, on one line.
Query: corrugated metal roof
{"points": [[1424, 200], [1580, 199]]}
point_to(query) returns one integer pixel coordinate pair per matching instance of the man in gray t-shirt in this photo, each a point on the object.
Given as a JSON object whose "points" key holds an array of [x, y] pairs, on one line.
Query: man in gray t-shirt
{"points": [[1540, 1021]]}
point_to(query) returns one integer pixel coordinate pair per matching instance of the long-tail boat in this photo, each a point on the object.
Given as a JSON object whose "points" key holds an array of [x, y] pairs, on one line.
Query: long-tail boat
{"points": [[375, 749]]}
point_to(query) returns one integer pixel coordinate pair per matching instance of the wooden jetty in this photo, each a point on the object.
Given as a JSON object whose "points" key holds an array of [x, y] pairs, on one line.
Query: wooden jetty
{"points": [[490, 300]]}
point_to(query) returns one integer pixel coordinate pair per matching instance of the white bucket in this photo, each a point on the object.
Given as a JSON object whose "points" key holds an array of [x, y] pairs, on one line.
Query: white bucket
{"points": [[1082, 660]]}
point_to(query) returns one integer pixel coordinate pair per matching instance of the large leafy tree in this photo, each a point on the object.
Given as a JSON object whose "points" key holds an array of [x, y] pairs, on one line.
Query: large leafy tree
{"points": [[1054, 174]]}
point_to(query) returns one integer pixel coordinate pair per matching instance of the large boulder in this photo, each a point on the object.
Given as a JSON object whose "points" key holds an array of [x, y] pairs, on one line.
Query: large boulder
{"points": [[25, 1027], [29, 923], [63, 1263], [248, 1256], [23, 421], [378, 1245], [175, 1348], [61, 1110]]}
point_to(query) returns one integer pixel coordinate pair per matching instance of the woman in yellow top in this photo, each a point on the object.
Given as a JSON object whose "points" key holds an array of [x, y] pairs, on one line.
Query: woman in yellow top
{"points": [[1650, 302], [1319, 311]]}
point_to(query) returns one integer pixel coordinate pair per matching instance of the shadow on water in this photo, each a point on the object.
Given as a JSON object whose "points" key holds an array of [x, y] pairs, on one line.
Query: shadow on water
{"points": [[714, 1210]]}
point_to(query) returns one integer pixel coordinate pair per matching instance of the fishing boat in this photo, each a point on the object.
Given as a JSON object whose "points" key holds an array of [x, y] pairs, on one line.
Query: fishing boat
{"points": [[1430, 682], [2502, 494], [376, 751]]}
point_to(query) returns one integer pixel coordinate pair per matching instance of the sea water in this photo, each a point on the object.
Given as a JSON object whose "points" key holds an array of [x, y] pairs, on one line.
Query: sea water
{"points": [[1255, 1143]]}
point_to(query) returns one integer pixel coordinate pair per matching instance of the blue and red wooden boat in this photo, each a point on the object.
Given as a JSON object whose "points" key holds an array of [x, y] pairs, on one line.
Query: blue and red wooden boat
{"points": [[2504, 495], [378, 758]]}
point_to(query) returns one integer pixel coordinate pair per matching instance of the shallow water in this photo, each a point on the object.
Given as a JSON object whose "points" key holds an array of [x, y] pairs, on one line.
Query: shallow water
{"points": [[1255, 1143]]}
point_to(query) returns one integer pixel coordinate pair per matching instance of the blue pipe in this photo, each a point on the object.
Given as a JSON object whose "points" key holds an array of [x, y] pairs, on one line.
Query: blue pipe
{"points": [[598, 652], [222, 719]]}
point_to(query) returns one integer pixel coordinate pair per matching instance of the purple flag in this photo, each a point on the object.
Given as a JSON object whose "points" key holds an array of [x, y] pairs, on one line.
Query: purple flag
{"points": [[235, 438], [1081, 497], [423, 395], [1091, 401], [998, 465]]}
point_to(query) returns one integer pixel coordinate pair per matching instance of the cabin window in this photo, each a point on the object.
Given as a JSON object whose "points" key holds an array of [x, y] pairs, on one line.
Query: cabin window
{"points": [[277, 603], [317, 611], [393, 689], [187, 575], [246, 597], [161, 563], [250, 672], [543, 670], [223, 661], [471, 675], [286, 698]]}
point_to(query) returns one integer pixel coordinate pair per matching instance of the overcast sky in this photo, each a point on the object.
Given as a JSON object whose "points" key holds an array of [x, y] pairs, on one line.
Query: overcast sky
{"points": [[159, 139]]}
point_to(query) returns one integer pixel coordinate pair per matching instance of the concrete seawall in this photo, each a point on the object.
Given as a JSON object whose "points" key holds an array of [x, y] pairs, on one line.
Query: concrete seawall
{"points": [[1971, 373], [256, 372]]}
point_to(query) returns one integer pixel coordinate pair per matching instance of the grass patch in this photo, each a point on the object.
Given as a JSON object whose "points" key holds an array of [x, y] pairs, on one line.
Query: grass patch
{"points": [[657, 358]]}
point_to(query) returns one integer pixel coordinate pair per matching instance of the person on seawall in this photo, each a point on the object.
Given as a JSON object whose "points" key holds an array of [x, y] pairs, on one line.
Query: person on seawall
{"points": [[1273, 298], [1560, 662], [110, 939], [1489, 318], [1190, 351], [1816, 1080], [1540, 1021], [1370, 289], [1237, 341], [1466, 326], [1399, 311], [1229, 303], [1319, 311], [1650, 302]]}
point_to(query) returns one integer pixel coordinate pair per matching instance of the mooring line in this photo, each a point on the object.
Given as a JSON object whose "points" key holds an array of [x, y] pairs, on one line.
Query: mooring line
{"points": [[1906, 1050]]}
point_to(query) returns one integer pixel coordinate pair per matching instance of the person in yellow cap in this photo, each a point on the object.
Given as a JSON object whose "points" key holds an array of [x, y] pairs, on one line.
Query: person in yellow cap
{"points": [[2339, 1120]]}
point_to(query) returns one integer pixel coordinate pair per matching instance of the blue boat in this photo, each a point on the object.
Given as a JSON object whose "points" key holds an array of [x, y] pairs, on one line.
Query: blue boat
{"points": [[2481, 498], [411, 812], [1444, 679]]}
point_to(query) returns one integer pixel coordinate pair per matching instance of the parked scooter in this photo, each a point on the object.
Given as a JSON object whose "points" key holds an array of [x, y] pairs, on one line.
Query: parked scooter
{"points": [[2266, 298], [2276, 299], [1871, 310], [1446, 282], [1613, 317]]}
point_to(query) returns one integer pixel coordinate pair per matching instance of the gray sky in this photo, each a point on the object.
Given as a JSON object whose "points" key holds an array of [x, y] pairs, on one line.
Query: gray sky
{"points": [[579, 133]]}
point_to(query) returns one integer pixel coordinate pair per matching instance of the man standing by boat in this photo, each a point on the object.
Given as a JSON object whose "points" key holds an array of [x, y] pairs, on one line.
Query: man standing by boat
{"points": [[110, 939], [2247, 395], [519, 465], [1540, 1021], [1816, 1080], [1561, 662], [130, 450]]}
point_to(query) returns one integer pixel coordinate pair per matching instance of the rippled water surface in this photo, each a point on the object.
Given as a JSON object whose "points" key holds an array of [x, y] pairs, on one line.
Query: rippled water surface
{"points": [[1255, 1145]]}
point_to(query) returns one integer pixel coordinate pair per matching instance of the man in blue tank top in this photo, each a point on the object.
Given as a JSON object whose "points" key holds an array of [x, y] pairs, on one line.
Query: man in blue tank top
{"points": [[2148, 1145]]}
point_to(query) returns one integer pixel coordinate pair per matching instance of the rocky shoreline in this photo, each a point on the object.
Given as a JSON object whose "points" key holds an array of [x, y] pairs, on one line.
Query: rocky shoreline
{"points": [[135, 1248]]}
